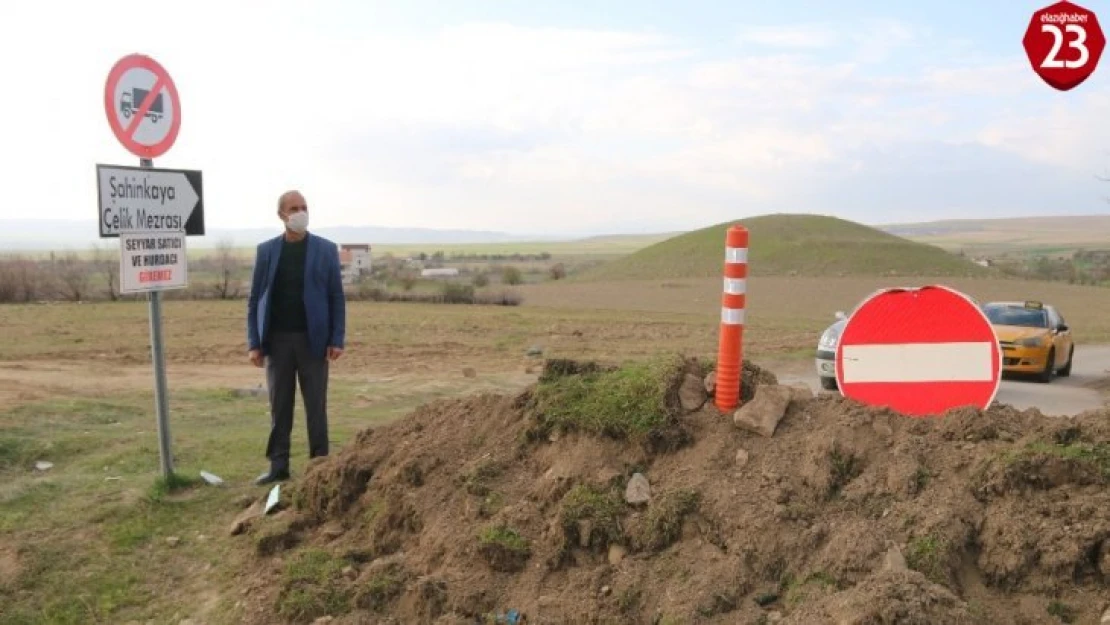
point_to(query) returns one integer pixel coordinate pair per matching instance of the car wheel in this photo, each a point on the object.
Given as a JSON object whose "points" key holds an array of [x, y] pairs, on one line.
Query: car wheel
{"points": [[1049, 367], [829, 384], [1066, 370]]}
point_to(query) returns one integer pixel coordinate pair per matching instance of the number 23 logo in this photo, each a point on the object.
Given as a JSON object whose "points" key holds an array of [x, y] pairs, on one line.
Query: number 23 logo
{"points": [[1058, 37]]}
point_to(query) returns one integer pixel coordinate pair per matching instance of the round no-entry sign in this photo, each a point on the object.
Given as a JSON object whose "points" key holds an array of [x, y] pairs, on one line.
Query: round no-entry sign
{"points": [[920, 352], [142, 106]]}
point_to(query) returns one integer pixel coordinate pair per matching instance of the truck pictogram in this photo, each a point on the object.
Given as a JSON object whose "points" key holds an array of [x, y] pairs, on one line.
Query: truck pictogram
{"points": [[130, 102]]}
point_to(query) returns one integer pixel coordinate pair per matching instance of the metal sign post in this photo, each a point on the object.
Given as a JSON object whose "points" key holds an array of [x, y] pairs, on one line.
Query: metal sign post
{"points": [[158, 356]]}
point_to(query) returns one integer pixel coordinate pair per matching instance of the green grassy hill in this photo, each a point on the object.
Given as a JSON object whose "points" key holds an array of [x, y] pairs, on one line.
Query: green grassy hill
{"points": [[806, 245]]}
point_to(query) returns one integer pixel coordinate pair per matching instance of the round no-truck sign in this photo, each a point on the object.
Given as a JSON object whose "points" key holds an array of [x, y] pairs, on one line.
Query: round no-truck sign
{"points": [[143, 108], [920, 352]]}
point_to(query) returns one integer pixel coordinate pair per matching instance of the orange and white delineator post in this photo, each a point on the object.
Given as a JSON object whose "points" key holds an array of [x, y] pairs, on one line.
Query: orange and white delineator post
{"points": [[730, 351]]}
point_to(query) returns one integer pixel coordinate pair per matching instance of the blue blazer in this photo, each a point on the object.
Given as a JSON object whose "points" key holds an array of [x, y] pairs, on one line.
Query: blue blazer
{"points": [[324, 301]]}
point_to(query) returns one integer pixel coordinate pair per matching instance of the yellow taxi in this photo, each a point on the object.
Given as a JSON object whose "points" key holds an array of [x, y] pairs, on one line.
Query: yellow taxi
{"points": [[1034, 337]]}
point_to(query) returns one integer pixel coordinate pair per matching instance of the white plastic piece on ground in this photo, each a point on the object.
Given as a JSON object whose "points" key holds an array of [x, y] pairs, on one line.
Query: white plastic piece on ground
{"points": [[272, 500], [211, 479]]}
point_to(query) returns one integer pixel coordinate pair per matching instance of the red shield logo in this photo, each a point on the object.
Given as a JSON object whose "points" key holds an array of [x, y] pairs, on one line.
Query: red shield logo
{"points": [[1064, 43]]}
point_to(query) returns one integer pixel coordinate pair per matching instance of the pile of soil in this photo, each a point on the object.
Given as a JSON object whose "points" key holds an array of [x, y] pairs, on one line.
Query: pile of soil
{"points": [[847, 515]]}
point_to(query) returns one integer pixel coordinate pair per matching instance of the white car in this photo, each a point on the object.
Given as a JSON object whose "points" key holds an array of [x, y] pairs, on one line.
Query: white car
{"points": [[826, 352]]}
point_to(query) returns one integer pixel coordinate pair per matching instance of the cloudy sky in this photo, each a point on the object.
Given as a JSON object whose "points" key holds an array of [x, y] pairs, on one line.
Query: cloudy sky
{"points": [[574, 116]]}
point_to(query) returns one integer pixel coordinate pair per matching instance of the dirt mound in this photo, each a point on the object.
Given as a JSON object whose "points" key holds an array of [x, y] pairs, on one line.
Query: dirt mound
{"points": [[469, 509]]}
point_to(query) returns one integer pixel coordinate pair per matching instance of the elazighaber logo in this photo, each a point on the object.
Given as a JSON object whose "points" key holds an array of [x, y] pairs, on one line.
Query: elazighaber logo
{"points": [[1064, 43]]}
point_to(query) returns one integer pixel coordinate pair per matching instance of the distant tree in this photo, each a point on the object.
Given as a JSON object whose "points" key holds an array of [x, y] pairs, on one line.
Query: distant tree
{"points": [[511, 275], [558, 272], [105, 262], [73, 277], [228, 265]]}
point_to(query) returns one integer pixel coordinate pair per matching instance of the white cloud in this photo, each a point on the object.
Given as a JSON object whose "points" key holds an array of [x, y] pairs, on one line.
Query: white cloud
{"points": [[867, 40], [497, 126]]}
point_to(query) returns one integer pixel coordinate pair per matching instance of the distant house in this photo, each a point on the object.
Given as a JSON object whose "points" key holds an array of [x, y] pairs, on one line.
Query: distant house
{"points": [[441, 272], [354, 259], [983, 262]]}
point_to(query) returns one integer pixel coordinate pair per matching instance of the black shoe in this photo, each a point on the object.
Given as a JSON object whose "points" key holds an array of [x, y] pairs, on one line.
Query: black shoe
{"points": [[272, 476]]}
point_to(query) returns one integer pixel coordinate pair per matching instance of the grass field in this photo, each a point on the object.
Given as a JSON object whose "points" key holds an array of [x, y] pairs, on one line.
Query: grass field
{"points": [[95, 539], [1045, 235]]}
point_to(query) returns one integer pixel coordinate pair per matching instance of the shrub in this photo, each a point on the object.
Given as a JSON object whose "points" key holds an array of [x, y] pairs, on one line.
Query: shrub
{"points": [[456, 293], [499, 298], [511, 275]]}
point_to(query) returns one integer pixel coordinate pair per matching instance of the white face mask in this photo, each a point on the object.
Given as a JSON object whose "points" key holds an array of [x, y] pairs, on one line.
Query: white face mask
{"points": [[298, 222]]}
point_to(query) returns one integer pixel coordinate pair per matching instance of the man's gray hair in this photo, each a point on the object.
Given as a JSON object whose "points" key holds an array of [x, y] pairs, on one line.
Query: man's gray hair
{"points": [[281, 198]]}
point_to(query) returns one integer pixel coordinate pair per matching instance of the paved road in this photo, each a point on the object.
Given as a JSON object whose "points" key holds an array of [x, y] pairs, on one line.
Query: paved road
{"points": [[1061, 397]]}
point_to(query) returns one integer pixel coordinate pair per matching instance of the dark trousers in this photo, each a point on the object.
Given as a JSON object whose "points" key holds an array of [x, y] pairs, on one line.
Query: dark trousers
{"points": [[288, 363]]}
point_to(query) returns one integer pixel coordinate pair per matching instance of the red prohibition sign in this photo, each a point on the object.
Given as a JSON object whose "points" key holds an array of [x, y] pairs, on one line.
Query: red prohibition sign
{"points": [[920, 352], [127, 114]]}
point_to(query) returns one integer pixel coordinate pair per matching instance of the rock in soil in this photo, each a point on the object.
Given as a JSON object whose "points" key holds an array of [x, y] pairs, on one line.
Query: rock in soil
{"points": [[741, 458], [766, 409], [801, 392], [692, 393], [638, 490], [616, 554], [711, 382]]}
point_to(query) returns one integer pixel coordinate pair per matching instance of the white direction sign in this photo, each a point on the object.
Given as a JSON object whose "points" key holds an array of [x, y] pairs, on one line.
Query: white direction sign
{"points": [[154, 200], [152, 261]]}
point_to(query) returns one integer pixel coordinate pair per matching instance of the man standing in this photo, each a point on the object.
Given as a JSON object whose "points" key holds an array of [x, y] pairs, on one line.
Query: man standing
{"points": [[296, 323]]}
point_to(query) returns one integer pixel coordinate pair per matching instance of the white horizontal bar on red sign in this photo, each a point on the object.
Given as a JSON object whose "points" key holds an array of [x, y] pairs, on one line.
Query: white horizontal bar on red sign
{"points": [[918, 362]]}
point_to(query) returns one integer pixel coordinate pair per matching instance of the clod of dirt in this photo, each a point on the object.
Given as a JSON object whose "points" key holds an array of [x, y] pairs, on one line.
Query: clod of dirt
{"points": [[277, 533], [504, 549], [751, 377], [848, 514], [247, 517], [762, 414], [894, 560], [638, 402], [663, 523], [903, 597], [560, 367]]}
